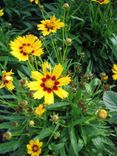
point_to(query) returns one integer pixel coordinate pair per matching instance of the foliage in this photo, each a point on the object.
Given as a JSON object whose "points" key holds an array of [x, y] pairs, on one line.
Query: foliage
{"points": [[70, 126]]}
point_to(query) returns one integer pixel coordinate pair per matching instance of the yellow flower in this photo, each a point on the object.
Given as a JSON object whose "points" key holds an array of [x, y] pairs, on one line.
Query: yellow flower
{"points": [[34, 147], [1, 12], [50, 26], [36, 1], [7, 80], [39, 110], [114, 70], [23, 47], [102, 1], [48, 83]]}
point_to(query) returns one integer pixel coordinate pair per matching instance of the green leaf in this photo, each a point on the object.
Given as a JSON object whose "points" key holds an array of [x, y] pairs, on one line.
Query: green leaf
{"points": [[110, 100], [8, 146], [58, 105], [73, 140]]}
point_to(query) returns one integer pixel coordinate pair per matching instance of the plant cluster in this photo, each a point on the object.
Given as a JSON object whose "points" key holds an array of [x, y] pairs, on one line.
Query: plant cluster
{"points": [[52, 104]]}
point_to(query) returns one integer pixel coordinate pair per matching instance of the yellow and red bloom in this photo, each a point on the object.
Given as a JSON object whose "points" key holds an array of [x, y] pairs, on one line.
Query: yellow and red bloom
{"points": [[7, 80], [23, 47], [36, 1], [1, 12], [34, 147], [50, 25], [48, 83], [102, 1], [114, 70], [40, 110]]}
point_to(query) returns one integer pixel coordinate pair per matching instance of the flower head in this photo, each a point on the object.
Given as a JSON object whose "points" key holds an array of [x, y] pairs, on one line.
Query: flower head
{"points": [[50, 26], [102, 1], [23, 47], [114, 70], [36, 1], [7, 80], [48, 83], [1, 12], [39, 110], [34, 147]]}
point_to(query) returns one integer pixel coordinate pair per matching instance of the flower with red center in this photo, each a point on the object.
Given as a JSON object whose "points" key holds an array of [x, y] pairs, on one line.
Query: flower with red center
{"points": [[23, 47], [102, 1], [50, 25], [7, 80], [48, 83], [34, 147]]}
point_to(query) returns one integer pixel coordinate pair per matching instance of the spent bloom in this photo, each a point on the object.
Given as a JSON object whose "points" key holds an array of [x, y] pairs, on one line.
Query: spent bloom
{"points": [[23, 47], [114, 70], [40, 110], [48, 83], [36, 1], [34, 147], [7, 80], [102, 1], [1, 12], [50, 25]]}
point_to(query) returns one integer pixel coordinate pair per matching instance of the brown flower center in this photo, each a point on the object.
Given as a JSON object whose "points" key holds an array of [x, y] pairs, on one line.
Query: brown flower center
{"points": [[100, 1], [35, 148], [49, 83], [49, 26]]}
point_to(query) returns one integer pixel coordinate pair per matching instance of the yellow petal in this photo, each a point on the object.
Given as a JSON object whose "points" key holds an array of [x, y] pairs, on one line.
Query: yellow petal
{"points": [[61, 93], [64, 80], [35, 85], [10, 86], [49, 98], [114, 77], [36, 75], [39, 94], [57, 71]]}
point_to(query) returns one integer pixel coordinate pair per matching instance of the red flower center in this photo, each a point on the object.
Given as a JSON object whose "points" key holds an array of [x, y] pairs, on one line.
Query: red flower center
{"points": [[26, 49], [49, 83]]}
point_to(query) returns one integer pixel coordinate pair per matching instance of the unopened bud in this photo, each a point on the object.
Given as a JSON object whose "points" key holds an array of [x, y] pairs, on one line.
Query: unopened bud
{"points": [[102, 113], [68, 41], [23, 103], [23, 82], [31, 123], [57, 135], [7, 135], [54, 118], [66, 6]]}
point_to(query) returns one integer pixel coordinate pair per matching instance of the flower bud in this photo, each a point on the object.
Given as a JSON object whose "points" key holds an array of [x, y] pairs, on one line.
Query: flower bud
{"points": [[57, 135], [104, 76], [23, 103], [66, 6], [23, 82], [31, 123], [102, 113], [68, 41], [54, 118], [7, 135]]}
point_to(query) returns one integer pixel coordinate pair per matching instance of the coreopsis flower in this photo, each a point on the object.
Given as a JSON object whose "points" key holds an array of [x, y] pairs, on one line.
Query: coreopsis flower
{"points": [[23, 47], [36, 1], [50, 25], [102, 1], [1, 12], [48, 83], [114, 70], [34, 147], [7, 80], [39, 110]]}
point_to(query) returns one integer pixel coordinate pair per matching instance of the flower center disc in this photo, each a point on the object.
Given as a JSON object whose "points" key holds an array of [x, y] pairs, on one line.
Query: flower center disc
{"points": [[35, 148], [49, 84]]}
